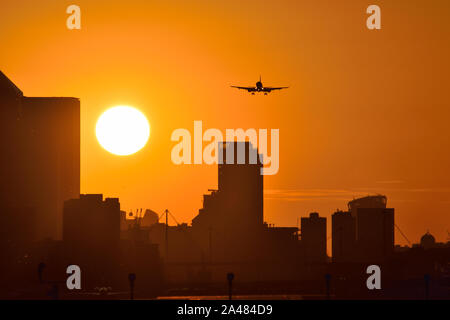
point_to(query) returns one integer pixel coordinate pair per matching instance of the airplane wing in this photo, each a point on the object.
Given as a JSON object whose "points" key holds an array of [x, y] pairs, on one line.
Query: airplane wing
{"points": [[268, 89], [249, 89]]}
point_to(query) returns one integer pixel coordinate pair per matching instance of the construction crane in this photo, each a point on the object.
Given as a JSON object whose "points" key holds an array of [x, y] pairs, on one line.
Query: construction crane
{"points": [[167, 213], [137, 217], [403, 235]]}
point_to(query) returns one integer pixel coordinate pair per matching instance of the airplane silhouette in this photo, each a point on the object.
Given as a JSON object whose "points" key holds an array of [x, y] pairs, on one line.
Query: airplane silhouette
{"points": [[259, 88]]}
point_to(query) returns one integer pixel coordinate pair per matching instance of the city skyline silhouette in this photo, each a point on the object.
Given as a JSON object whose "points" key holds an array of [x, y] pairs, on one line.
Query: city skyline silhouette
{"points": [[359, 156], [49, 225], [365, 112]]}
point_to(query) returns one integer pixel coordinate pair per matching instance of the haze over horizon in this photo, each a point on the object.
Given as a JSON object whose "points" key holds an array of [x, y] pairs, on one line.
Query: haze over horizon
{"points": [[366, 112]]}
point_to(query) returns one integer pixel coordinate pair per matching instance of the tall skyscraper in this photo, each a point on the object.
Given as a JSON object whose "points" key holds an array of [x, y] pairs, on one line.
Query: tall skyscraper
{"points": [[40, 158], [231, 220], [238, 202]]}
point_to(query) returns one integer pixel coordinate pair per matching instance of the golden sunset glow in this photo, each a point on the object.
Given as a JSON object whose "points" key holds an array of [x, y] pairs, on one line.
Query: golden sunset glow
{"points": [[122, 130]]}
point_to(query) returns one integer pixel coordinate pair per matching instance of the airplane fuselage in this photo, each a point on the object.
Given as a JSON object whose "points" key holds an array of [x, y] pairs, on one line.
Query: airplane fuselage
{"points": [[259, 86]]}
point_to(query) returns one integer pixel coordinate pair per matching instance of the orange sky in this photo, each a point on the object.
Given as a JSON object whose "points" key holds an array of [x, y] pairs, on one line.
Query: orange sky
{"points": [[367, 111]]}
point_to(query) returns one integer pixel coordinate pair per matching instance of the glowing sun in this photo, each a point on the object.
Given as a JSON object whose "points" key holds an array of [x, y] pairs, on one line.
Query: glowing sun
{"points": [[122, 130]]}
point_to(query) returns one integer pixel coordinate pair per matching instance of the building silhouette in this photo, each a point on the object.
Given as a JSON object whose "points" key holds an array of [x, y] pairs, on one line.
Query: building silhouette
{"points": [[93, 239], [377, 201], [314, 238], [374, 227], [230, 224], [343, 234], [40, 158], [91, 222], [365, 233], [375, 233], [149, 218], [427, 241], [91, 236], [238, 202]]}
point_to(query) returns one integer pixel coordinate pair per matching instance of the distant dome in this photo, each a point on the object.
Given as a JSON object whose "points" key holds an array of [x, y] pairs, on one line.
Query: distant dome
{"points": [[427, 241]]}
